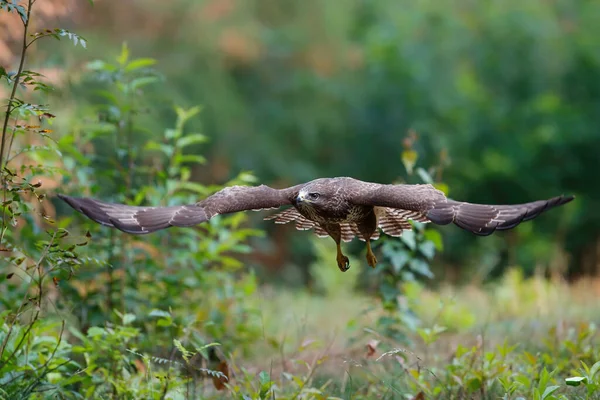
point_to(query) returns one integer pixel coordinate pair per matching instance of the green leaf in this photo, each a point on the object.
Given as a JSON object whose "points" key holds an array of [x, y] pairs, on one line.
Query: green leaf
{"points": [[246, 177], [594, 370], [164, 322], [409, 159], [575, 380], [398, 258], [124, 56], [189, 158], [388, 291], [99, 65], [549, 390], [192, 187], [435, 237], [72, 36], [264, 377], [442, 187], [128, 318], [139, 63], [190, 139], [22, 13], [409, 239], [95, 331], [420, 267], [474, 384], [143, 81], [184, 352], [166, 149], [265, 384], [424, 175], [185, 114], [159, 313], [105, 94], [427, 249], [172, 133]]}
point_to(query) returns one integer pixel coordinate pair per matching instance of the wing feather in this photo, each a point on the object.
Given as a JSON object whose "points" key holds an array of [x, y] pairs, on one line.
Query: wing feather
{"points": [[393, 221], [347, 231], [424, 203], [483, 219], [302, 224], [141, 220], [320, 232]]}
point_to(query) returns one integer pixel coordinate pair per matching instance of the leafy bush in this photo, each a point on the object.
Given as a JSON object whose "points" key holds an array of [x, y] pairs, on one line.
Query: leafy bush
{"points": [[126, 290], [37, 255]]}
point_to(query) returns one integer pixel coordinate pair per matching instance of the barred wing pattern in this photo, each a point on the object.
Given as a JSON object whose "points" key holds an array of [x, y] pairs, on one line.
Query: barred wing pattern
{"points": [[433, 206], [391, 221], [137, 220], [483, 220], [141, 220]]}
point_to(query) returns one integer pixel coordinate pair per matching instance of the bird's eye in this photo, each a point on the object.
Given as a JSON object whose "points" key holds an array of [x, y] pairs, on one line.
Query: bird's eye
{"points": [[313, 196]]}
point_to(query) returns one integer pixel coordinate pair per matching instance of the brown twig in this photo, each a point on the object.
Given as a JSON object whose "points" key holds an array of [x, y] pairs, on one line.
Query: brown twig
{"points": [[9, 106], [35, 317]]}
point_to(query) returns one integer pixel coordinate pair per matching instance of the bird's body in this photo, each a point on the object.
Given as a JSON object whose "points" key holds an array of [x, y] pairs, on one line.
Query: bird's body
{"points": [[338, 211], [342, 208]]}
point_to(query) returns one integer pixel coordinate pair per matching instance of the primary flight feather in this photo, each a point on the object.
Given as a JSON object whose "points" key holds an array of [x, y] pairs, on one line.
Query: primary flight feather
{"points": [[338, 207]]}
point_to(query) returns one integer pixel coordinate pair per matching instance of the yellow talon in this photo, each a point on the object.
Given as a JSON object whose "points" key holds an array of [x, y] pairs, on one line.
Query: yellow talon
{"points": [[342, 261], [371, 259]]}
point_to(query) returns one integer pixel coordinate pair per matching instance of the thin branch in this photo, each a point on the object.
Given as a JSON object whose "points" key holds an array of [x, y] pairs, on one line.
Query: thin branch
{"points": [[9, 106], [13, 133], [18, 346], [35, 317], [44, 367]]}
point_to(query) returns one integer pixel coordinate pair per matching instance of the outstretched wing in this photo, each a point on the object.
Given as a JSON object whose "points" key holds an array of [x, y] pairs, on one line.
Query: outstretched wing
{"points": [[430, 204], [140, 220], [484, 219]]}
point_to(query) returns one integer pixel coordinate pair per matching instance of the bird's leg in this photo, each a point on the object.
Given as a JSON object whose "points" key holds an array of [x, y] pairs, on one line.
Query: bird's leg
{"points": [[371, 259], [367, 227], [335, 231], [342, 261]]}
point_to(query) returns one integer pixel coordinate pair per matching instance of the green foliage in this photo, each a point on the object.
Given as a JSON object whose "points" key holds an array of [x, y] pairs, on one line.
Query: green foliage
{"points": [[588, 378], [88, 312], [406, 260], [36, 254], [125, 295]]}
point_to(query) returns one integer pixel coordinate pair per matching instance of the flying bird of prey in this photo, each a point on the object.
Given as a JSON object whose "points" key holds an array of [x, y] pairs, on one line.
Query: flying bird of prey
{"points": [[338, 207]]}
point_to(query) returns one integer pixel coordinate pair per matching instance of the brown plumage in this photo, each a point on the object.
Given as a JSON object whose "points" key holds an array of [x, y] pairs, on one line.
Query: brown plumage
{"points": [[338, 207]]}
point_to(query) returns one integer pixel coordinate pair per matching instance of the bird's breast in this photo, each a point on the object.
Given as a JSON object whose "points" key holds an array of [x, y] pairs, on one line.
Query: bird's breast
{"points": [[351, 213], [358, 213]]}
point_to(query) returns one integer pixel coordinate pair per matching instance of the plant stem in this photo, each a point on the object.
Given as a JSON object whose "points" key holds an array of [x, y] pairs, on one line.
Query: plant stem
{"points": [[9, 106]]}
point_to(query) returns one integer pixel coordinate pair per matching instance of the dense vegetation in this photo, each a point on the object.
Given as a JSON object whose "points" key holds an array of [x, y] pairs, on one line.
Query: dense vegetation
{"points": [[88, 312]]}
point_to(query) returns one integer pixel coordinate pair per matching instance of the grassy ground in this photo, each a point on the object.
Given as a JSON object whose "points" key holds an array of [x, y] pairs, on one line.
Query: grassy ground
{"points": [[472, 342]]}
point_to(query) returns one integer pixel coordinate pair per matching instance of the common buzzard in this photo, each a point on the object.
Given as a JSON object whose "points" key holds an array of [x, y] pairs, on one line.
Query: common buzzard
{"points": [[338, 207]]}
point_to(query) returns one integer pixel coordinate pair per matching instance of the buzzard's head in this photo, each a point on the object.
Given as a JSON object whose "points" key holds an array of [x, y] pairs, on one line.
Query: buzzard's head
{"points": [[317, 196]]}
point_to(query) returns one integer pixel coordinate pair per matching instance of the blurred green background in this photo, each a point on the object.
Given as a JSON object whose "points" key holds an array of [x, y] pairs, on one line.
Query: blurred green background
{"points": [[494, 102], [504, 97]]}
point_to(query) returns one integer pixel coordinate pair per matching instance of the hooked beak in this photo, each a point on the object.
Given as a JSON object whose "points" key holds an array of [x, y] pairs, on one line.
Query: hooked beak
{"points": [[300, 198]]}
